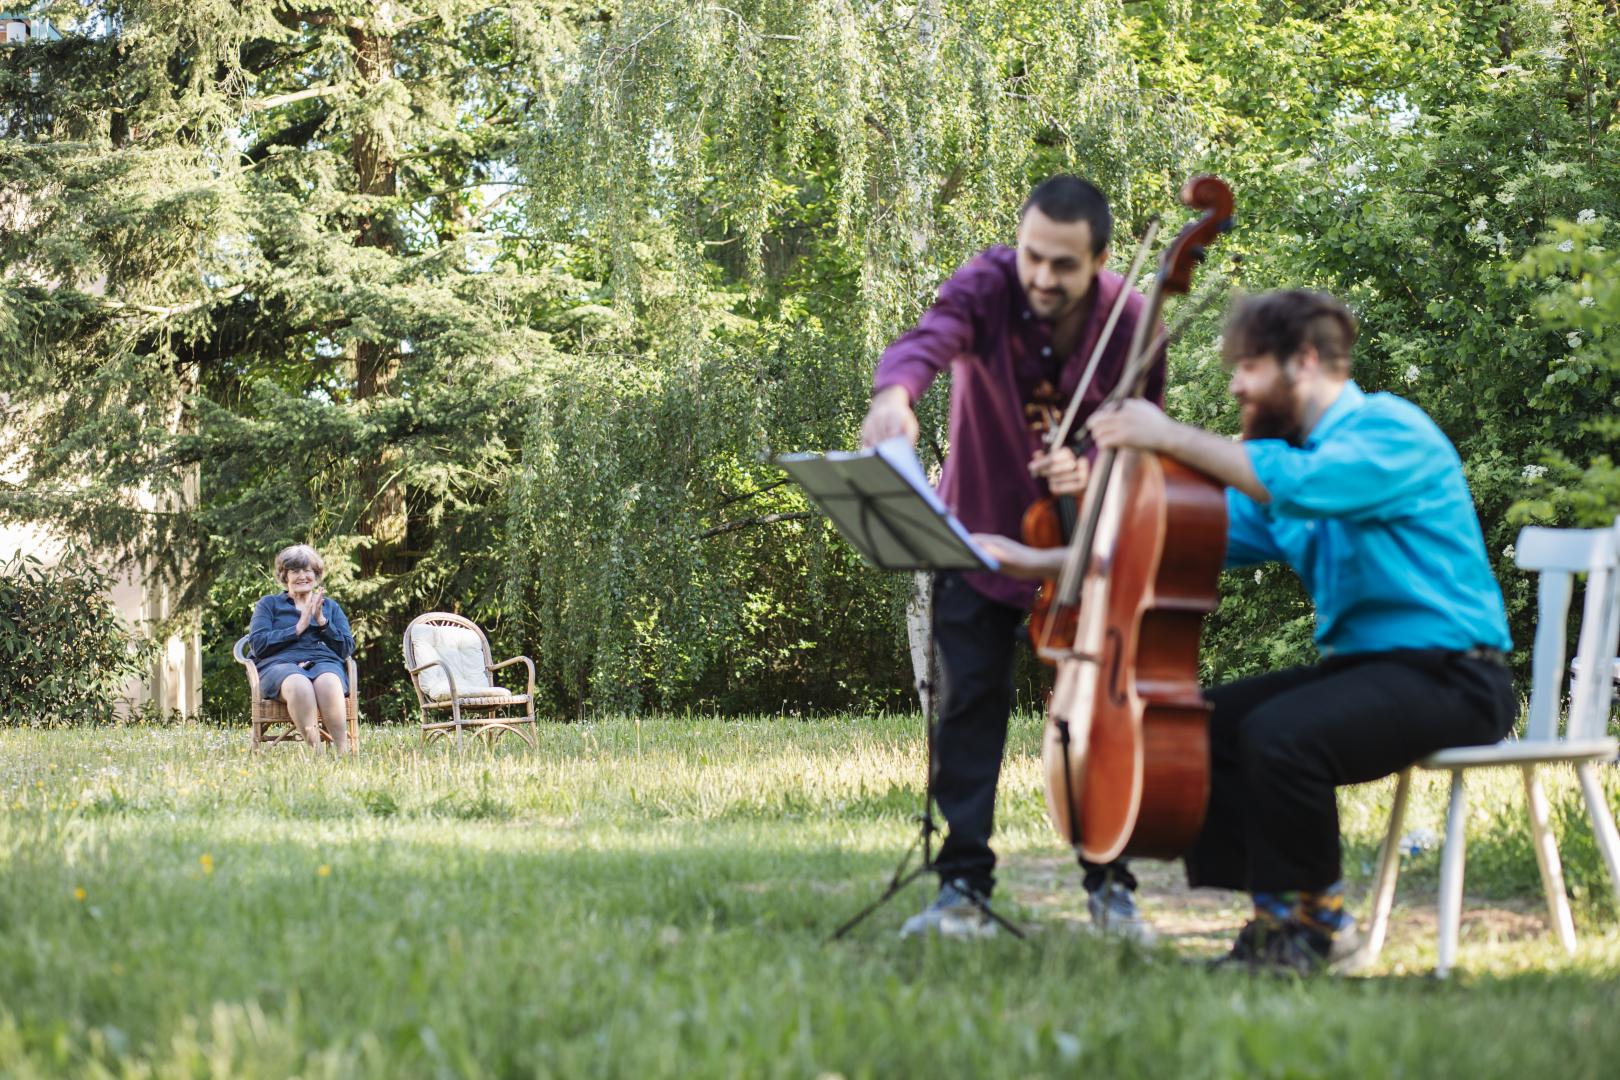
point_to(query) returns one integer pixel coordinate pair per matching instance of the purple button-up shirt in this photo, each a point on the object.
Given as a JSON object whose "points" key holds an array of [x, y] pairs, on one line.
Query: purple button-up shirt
{"points": [[1004, 370]]}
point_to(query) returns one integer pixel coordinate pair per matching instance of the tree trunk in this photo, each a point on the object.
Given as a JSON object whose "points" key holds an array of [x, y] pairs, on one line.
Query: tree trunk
{"points": [[383, 514]]}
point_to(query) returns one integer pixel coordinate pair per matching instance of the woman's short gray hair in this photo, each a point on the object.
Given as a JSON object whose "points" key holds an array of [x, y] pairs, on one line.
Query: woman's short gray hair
{"points": [[298, 557]]}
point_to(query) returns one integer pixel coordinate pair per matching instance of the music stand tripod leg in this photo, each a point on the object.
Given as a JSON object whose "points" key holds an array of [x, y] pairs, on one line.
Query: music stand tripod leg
{"points": [[901, 877]]}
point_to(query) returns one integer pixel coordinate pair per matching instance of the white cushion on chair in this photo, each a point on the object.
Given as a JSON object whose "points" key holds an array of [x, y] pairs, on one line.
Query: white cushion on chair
{"points": [[459, 649]]}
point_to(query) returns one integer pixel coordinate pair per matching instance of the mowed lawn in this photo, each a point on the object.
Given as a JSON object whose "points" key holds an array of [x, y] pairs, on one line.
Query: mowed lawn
{"points": [[653, 899]]}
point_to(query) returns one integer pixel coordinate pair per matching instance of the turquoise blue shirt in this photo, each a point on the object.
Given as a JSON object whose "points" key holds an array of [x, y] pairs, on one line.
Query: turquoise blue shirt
{"points": [[1375, 517]]}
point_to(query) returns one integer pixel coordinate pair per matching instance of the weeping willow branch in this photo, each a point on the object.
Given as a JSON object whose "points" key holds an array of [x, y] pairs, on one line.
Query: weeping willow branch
{"points": [[763, 519], [745, 496]]}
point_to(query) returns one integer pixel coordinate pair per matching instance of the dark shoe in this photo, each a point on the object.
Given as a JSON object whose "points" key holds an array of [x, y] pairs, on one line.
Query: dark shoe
{"points": [[957, 912], [1114, 912], [1249, 945], [1291, 948]]}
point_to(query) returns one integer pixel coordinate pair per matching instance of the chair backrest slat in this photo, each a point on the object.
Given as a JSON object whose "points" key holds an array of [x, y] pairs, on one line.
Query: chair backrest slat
{"points": [[1594, 688], [1560, 554], [1547, 658], [1590, 692], [1574, 550]]}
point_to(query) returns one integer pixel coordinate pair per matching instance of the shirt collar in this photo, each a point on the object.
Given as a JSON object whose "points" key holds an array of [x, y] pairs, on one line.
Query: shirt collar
{"points": [[1349, 400]]}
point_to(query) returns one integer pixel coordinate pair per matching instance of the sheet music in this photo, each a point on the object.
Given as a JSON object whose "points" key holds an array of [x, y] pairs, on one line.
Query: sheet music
{"points": [[880, 500]]}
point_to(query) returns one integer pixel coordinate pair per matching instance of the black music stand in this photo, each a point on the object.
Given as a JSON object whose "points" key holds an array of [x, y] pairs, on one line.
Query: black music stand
{"points": [[881, 502]]}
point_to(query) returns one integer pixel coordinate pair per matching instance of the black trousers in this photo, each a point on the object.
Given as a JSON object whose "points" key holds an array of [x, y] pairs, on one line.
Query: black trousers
{"points": [[977, 641], [1281, 743]]}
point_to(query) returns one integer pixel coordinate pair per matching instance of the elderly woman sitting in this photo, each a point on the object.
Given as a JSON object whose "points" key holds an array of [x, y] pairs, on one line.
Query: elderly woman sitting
{"points": [[300, 641]]}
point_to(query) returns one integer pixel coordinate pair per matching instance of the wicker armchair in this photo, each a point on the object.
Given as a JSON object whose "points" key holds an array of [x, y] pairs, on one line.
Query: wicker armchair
{"points": [[268, 717], [450, 665]]}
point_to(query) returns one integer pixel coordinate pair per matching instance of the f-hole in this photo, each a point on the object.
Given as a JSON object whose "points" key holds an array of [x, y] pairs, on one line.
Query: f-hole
{"points": [[1116, 646]]}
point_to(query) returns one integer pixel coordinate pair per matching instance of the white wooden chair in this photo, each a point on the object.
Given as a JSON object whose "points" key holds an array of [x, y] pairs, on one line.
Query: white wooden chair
{"points": [[1558, 555], [450, 665]]}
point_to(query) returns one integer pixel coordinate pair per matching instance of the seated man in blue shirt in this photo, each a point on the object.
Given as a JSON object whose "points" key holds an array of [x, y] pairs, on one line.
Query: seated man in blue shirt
{"points": [[1365, 498]]}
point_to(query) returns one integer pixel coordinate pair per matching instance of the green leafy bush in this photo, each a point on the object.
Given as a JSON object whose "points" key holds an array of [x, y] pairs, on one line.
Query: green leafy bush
{"points": [[64, 649]]}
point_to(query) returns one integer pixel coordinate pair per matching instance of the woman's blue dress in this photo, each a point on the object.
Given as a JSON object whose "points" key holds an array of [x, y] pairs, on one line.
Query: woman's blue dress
{"points": [[279, 650]]}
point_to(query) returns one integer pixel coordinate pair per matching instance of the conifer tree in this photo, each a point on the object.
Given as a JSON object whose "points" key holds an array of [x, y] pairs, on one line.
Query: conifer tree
{"points": [[261, 241]]}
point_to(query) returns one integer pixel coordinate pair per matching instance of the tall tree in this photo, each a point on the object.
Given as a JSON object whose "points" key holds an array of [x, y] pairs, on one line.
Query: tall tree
{"points": [[263, 239], [773, 190]]}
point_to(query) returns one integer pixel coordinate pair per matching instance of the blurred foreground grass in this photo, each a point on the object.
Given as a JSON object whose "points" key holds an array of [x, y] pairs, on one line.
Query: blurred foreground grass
{"points": [[652, 899]]}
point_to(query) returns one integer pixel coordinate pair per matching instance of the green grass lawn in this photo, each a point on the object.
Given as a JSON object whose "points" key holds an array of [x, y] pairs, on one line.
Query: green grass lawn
{"points": [[652, 899]]}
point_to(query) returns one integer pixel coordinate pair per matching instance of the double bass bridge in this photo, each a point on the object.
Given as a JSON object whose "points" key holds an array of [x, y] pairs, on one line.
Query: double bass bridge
{"points": [[1054, 656]]}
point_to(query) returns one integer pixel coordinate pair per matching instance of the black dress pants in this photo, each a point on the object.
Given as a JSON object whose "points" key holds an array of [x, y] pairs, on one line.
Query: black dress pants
{"points": [[1280, 744], [977, 641]]}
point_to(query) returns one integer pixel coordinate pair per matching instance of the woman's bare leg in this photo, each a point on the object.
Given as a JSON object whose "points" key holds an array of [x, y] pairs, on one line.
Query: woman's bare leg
{"points": [[299, 694], [334, 710]]}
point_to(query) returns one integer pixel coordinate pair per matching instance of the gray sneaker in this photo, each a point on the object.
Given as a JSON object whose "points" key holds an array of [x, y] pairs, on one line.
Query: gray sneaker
{"points": [[1113, 912], [953, 914]]}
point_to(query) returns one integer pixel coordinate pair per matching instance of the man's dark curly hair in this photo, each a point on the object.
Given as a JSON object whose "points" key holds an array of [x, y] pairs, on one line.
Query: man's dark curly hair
{"points": [[1281, 323]]}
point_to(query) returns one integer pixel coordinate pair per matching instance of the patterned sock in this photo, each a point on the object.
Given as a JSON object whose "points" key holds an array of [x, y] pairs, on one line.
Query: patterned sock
{"points": [[1274, 907], [1324, 910]]}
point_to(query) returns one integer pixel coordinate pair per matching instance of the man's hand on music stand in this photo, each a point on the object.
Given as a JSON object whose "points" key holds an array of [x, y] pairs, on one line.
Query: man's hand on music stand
{"points": [[889, 415], [1020, 560]]}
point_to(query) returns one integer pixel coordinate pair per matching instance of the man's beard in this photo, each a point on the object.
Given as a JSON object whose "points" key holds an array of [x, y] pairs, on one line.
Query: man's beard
{"points": [[1276, 415], [1054, 303]]}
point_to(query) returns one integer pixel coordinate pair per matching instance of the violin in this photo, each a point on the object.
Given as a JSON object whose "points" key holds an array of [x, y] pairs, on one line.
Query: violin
{"points": [[1049, 522], [1126, 747]]}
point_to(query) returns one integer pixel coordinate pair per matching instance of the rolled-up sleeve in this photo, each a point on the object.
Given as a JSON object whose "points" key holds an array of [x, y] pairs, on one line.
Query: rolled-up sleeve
{"points": [[336, 632], [261, 633], [950, 328], [1374, 472]]}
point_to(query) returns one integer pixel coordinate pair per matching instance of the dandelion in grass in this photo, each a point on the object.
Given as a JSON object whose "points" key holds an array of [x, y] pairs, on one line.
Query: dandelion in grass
{"points": [[207, 863], [323, 870], [79, 894]]}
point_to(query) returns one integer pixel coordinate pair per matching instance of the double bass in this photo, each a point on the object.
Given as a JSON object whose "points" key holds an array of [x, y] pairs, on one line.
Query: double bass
{"points": [[1126, 747]]}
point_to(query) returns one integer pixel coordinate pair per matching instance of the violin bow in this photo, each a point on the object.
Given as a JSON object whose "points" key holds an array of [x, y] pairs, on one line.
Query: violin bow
{"points": [[1059, 435]]}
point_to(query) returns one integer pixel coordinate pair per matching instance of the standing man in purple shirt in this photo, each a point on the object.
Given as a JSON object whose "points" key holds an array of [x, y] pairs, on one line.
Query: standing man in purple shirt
{"points": [[1016, 326]]}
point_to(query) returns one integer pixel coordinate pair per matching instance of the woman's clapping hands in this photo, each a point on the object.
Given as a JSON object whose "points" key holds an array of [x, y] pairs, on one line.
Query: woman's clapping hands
{"points": [[311, 609]]}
